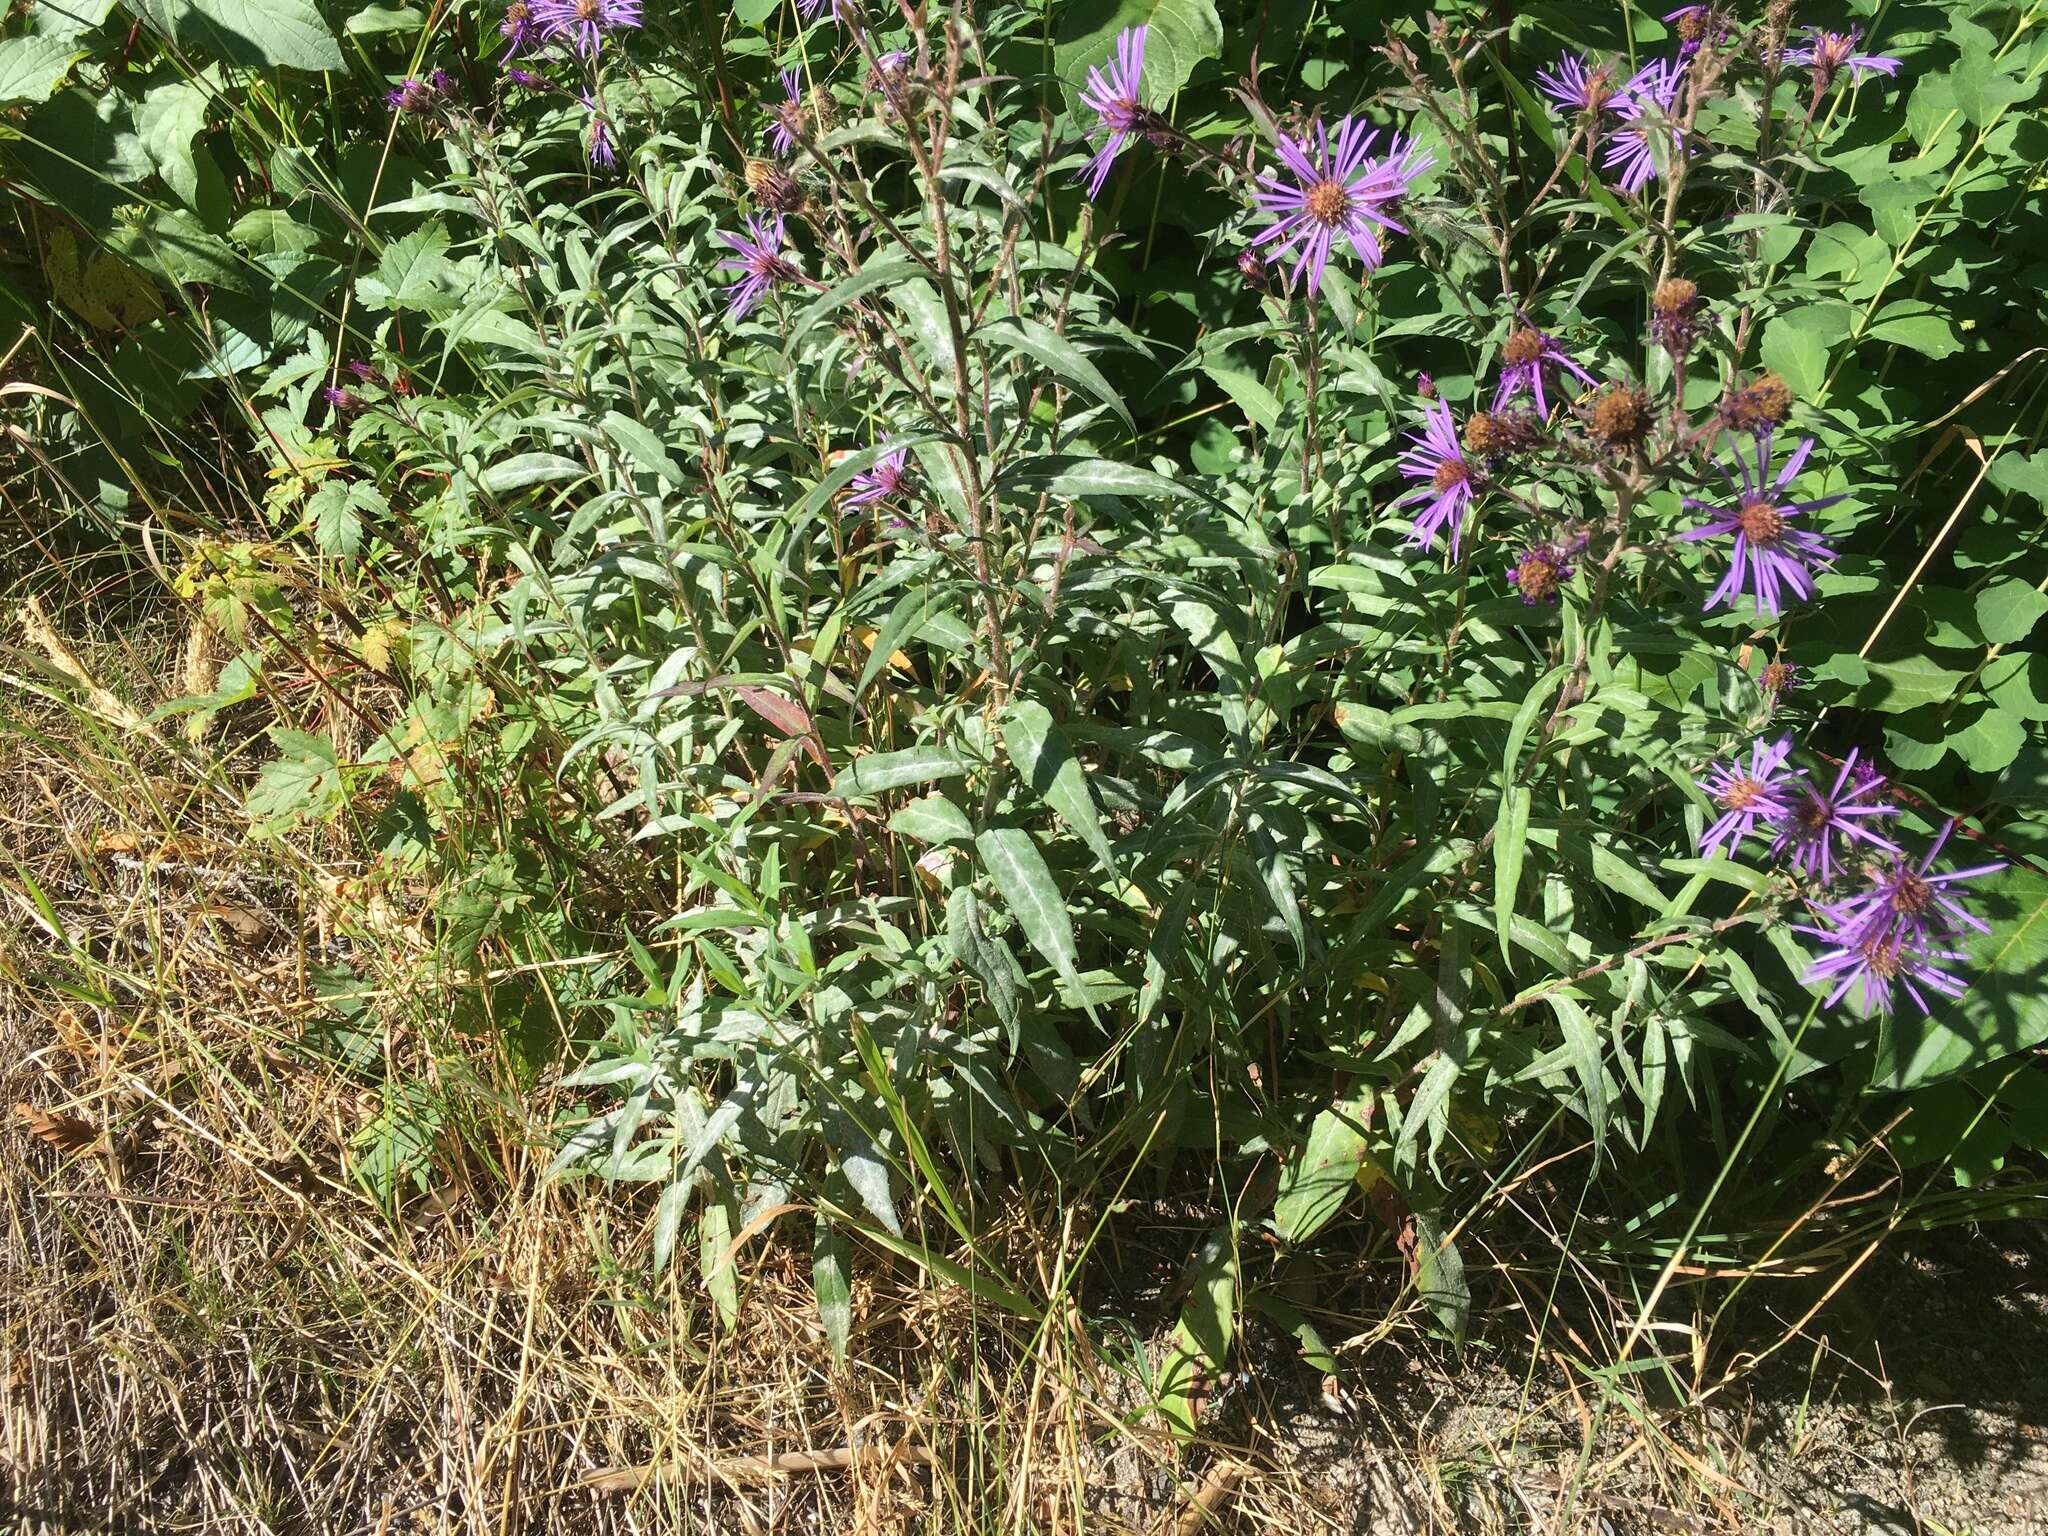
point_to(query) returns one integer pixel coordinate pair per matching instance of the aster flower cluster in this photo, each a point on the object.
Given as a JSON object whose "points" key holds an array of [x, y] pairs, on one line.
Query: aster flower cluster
{"points": [[1642, 132], [1883, 919]]}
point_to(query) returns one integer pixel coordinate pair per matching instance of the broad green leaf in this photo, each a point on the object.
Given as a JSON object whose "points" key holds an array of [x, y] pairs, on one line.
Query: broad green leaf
{"points": [[1797, 343], [1897, 686], [2008, 609], [1034, 899], [303, 784], [1326, 1172], [525, 469], [880, 772], [1045, 761], [1984, 88], [166, 122], [409, 273], [373, 20], [253, 33], [2005, 1009], [1180, 34], [1440, 1275], [32, 67], [932, 819]]}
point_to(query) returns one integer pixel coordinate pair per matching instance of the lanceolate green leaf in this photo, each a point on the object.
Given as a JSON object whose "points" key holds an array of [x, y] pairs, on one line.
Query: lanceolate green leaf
{"points": [[1045, 761], [880, 772], [1034, 899], [1060, 355]]}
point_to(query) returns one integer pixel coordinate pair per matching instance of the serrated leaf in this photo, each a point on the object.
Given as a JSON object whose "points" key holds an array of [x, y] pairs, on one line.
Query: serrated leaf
{"points": [[32, 67], [409, 273], [252, 33]]}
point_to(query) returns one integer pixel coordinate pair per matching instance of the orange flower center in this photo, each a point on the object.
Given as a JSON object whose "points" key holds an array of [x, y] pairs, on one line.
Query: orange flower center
{"points": [[586, 10], [1536, 576], [1449, 473], [1914, 896], [1881, 957], [1327, 202], [1741, 795], [1762, 523], [1524, 346]]}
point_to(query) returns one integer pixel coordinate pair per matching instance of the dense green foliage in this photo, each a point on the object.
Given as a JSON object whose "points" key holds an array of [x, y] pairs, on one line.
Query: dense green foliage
{"points": [[1120, 795]]}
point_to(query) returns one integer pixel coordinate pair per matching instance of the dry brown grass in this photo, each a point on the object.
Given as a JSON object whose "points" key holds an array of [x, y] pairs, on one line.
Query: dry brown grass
{"points": [[207, 1324]]}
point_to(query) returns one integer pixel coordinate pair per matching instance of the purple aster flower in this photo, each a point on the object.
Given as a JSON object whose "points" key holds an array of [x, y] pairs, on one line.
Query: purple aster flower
{"points": [[343, 400], [1910, 958], [412, 96], [880, 480], [518, 28], [1439, 462], [584, 23], [1810, 828], [600, 136], [1527, 353], [1114, 101], [1747, 796], [1907, 898], [758, 257], [525, 77], [1868, 774], [367, 372], [1693, 24], [1645, 99], [810, 9], [1574, 87], [1542, 569], [788, 113], [1829, 53], [1336, 189], [1769, 552], [444, 83]]}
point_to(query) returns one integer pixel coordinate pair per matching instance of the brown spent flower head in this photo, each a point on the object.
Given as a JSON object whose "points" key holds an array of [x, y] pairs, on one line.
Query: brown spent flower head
{"points": [[1487, 434], [1621, 417], [1778, 677], [1691, 25], [773, 187], [1674, 295], [1251, 266], [823, 108], [1759, 406], [1538, 574], [1674, 314], [1525, 345]]}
